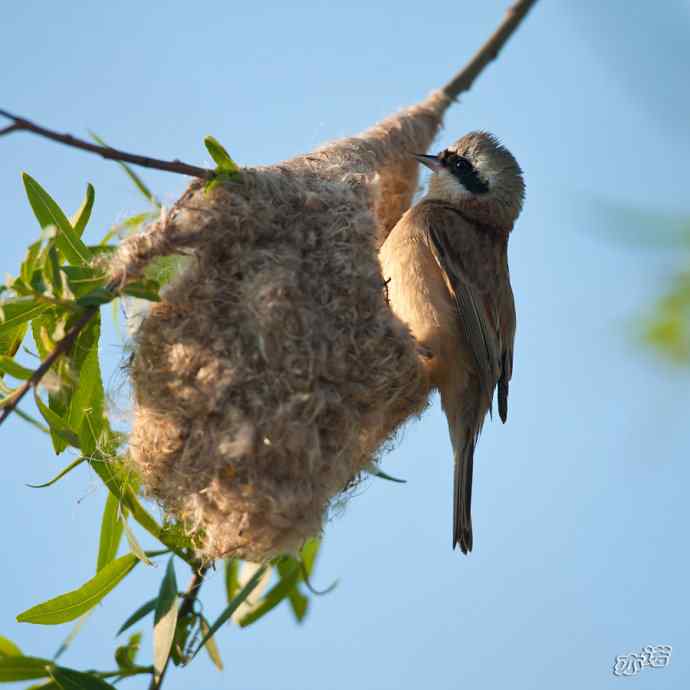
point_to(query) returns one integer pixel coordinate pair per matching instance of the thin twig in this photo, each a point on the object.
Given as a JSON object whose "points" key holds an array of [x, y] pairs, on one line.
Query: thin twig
{"points": [[62, 348], [125, 672], [464, 79], [8, 129], [461, 82], [22, 124], [187, 607]]}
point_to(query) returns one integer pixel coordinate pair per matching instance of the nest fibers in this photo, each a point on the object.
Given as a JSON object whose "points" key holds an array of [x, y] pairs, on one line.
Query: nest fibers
{"points": [[272, 371]]}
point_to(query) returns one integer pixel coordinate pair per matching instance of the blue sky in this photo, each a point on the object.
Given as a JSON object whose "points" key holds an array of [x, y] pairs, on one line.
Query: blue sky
{"points": [[580, 504]]}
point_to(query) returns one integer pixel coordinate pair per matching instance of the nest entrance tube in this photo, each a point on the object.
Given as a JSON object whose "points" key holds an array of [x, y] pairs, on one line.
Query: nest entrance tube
{"points": [[272, 370]]}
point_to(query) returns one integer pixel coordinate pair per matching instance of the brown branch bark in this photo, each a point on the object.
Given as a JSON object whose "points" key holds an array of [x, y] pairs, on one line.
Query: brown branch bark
{"points": [[186, 608], [21, 124], [464, 79], [461, 82]]}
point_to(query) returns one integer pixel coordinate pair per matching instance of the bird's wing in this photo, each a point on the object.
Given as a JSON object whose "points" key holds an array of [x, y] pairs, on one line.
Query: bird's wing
{"points": [[507, 331], [478, 317]]}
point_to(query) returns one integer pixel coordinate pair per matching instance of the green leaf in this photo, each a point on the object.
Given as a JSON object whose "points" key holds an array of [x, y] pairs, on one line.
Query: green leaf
{"points": [[20, 288], [16, 312], [131, 174], [11, 338], [299, 603], [48, 213], [373, 469], [81, 217], [232, 607], [667, 327], [86, 405], [119, 486], [106, 250], [111, 532], [179, 651], [165, 618], [232, 582], [8, 648], [29, 263], [69, 679], [210, 645], [143, 289], [274, 596], [309, 552], [59, 475], [224, 164], [164, 268], [174, 536], [17, 371], [78, 416], [47, 329], [140, 613], [69, 606], [58, 426], [47, 685], [126, 655], [23, 668], [83, 279], [96, 298], [51, 275], [134, 545], [246, 572], [116, 478]]}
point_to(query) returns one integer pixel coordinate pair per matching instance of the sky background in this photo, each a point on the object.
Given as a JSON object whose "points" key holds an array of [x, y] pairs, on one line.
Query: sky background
{"points": [[580, 502]]}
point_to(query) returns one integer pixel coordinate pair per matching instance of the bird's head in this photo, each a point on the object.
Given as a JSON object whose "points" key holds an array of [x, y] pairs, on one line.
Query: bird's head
{"points": [[478, 176]]}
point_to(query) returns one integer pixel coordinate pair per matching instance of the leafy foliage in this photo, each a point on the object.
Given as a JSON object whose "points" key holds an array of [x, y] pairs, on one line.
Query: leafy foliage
{"points": [[59, 283], [67, 607], [226, 168], [667, 327]]}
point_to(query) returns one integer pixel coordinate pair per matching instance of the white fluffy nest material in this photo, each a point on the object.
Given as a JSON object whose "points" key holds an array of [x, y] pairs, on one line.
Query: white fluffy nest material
{"points": [[272, 371]]}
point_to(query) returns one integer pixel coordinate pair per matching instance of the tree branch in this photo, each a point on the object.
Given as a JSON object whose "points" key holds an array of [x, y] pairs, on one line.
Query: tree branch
{"points": [[20, 124], [8, 129], [187, 607], [464, 79], [461, 82]]}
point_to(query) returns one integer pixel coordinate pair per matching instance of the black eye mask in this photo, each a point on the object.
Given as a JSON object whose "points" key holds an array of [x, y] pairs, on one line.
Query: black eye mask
{"points": [[464, 171]]}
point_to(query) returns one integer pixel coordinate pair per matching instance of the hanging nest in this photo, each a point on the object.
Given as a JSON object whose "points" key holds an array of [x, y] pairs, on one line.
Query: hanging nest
{"points": [[273, 370]]}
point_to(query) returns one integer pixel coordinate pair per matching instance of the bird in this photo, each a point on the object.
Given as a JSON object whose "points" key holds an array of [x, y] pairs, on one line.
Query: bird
{"points": [[445, 265]]}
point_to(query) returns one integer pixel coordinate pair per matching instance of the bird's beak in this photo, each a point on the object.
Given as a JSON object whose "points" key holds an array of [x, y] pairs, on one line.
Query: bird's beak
{"points": [[431, 162]]}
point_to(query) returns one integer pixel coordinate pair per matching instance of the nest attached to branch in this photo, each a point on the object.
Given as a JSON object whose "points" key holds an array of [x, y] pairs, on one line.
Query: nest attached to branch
{"points": [[273, 370]]}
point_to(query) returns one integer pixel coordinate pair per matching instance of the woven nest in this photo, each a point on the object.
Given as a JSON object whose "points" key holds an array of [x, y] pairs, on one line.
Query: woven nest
{"points": [[272, 371]]}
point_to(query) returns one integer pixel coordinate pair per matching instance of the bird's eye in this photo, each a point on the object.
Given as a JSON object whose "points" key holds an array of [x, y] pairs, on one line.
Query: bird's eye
{"points": [[467, 175]]}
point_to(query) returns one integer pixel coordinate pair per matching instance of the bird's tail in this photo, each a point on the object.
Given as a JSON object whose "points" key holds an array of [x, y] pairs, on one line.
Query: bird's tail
{"points": [[465, 414], [462, 491]]}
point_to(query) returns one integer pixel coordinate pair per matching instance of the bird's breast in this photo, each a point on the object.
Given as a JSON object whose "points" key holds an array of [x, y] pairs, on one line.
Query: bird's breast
{"points": [[418, 295]]}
